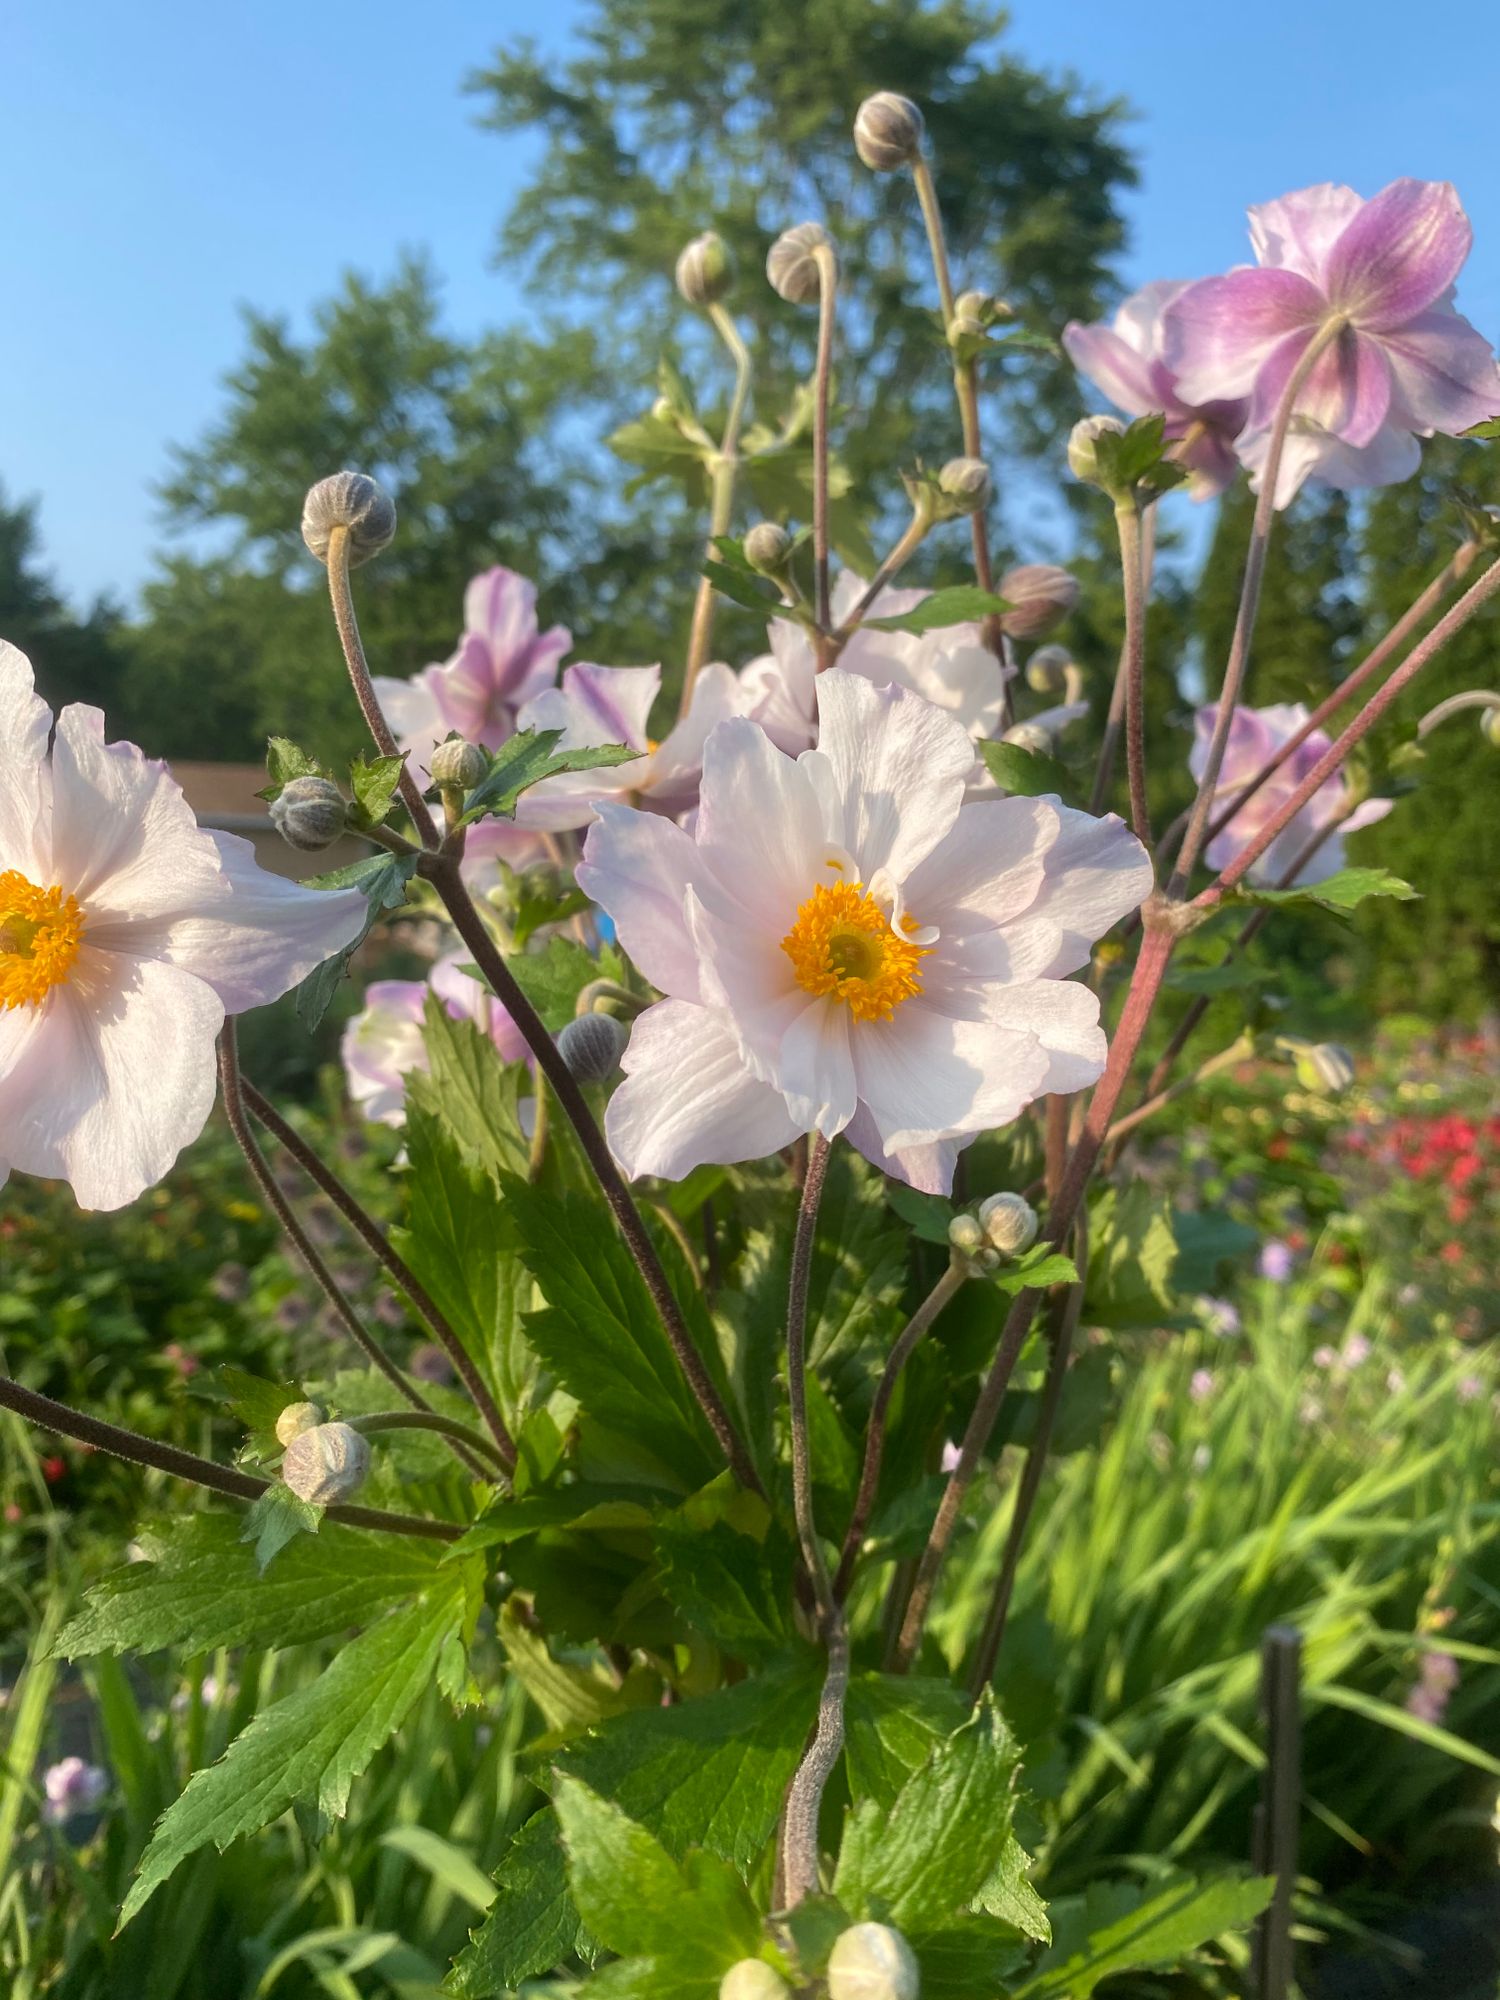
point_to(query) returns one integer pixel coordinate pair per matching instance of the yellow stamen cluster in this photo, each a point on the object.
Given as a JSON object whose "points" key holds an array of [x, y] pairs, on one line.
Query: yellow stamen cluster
{"points": [[40, 931], [842, 945]]}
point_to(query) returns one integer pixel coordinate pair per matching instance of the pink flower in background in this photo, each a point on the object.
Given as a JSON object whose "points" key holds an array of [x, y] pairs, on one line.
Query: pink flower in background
{"points": [[1254, 735], [501, 662], [1356, 1351], [1437, 1679], [1125, 361], [383, 1044], [127, 933], [846, 946], [1202, 1386], [72, 1787], [1276, 1261], [1402, 365]]}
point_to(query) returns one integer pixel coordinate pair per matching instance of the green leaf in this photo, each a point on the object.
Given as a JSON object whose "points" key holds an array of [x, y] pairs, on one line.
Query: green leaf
{"points": [[257, 1403], [570, 1697], [1344, 891], [1135, 458], [1132, 1256], [1121, 1927], [747, 587], [447, 1864], [1207, 1239], [532, 1925], [285, 761], [523, 761], [1026, 774], [275, 1519], [967, 1959], [203, 1590], [374, 785], [1041, 1266], [552, 979], [959, 604], [583, 1506], [1008, 1894], [472, 1089], [1490, 428], [382, 879], [733, 1587], [928, 1214], [922, 1861], [313, 1743], [892, 1725]]}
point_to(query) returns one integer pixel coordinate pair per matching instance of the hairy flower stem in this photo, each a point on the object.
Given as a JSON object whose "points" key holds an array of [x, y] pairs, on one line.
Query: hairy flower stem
{"points": [[415, 1420], [400, 1272], [359, 674], [1114, 722], [1132, 569], [911, 540], [1249, 607], [828, 285], [726, 465], [906, 1345], [443, 872], [130, 1445]]}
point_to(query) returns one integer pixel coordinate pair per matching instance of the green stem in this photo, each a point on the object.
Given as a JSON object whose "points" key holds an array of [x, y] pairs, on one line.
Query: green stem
{"points": [[726, 466]]}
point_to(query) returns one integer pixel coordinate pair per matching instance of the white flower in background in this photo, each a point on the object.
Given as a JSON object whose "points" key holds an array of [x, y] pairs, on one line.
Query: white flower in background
{"points": [[383, 1044], [501, 661], [70, 1787], [846, 946], [127, 933], [951, 667]]}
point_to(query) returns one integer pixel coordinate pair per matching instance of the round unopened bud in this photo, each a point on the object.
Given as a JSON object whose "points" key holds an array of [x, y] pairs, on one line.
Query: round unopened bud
{"points": [[1324, 1066], [964, 326], [966, 481], [1029, 736], [966, 1235], [767, 547], [326, 1463], [1040, 596], [872, 1962], [753, 1979], [457, 764], [705, 270], [295, 1419], [1083, 460], [1009, 1221], [1047, 669], [349, 500], [792, 262], [592, 1046], [888, 132], [309, 813], [1489, 726]]}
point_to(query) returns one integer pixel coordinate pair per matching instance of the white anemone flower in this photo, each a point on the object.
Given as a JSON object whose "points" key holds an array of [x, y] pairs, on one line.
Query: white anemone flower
{"points": [[127, 933], [384, 1043], [847, 946]]}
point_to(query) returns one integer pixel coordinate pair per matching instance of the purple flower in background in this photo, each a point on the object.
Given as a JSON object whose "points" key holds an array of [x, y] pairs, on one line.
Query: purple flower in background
{"points": [[1222, 1318], [1437, 1678], [501, 662], [1202, 1385], [230, 1283], [1470, 1388], [72, 1787], [1325, 1356], [1356, 1351], [1402, 363], [1276, 1261], [383, 1044], [429, 1363], [1254, 735], [1125, 360]]}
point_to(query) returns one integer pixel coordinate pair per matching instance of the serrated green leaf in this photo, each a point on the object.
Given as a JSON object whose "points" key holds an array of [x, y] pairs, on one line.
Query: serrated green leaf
{"points": [[275, 1519], [472, 1089], [959, 604], [374, 784], [745, 586], [1008, 1894], [525, 760], [583, 1506], [382, 879], [928, 1214], [892, 1725], [1028, 774], [285, 761], [968, 1959], [1040, 1267], [1344, 891], [1123, 1926], [570, 1697], [1490, 428], [532, 1925], [734, 1588], [553, 978], [1132, 1256]]}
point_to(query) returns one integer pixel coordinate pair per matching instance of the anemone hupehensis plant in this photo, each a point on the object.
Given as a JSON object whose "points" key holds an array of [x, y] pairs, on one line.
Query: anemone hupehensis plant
{"points": [[764, 1118]]}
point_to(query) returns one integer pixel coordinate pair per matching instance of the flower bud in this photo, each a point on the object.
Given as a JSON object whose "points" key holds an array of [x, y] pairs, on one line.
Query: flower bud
{"points": [[542, 882], [1029, 736], [705, 270], [592, 1046], [1323, 1066], [1009, 1221], [872, 1962], [753, 1979], [792, 263], [295, 1419], [457, 765], [1083, 460], [964, 326], [1046, 670], [349, 500], [767, 547], [966, 1235], [966, 482], [1489, 726], [326, 1463], [1040, 596], [888, 132], [309, 813]]}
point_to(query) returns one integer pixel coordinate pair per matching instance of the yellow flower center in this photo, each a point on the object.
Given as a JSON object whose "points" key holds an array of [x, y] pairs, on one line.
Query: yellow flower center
{"points": [[40, 930], [842, 945]]}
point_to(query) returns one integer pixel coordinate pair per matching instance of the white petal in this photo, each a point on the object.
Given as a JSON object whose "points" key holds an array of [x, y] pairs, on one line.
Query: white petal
{"points": [[759, 829], [925, 1076], [815, 1068], [25, 787], [1096, 872], [900, 766], [688, 1100], [929, 1168], [987, 869], [1064, 1017], [638, 866]]}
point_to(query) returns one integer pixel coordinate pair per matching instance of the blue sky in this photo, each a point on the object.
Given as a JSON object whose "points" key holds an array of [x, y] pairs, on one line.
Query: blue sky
{"points": [[169, 161]]}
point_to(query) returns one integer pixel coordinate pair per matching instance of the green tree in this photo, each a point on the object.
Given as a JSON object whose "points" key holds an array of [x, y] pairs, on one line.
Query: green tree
{"points": [[75, 659]]}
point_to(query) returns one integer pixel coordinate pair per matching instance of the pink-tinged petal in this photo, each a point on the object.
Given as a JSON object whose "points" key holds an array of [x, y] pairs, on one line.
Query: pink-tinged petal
{"points": [[594, 706], [382, 1045], [637, 866], [1096, 872], [1446, 376], [415, 715], [249, 935], [610, 704], [924, 1076], [124, 839], [987, 868], [1370, 813], [759, 830], [491, 841], [1209, 455], [899, 767], [1116, 369], [25, 787], [500, 609], [1347, 392], [688, 1100], [815, 1067], [1297, 232], [928, 1168], [1390, 457], [1220, 332], [1399, 254], [744, 974], [469, 999], [957, 672], [672, 780], [1064, 1017], [1254, 736]]}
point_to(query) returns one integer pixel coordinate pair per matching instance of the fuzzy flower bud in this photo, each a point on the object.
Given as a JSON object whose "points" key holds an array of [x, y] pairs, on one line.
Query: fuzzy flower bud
{"points": [[966, 1235], [1083, 460], [872, 1962], [888, 132], [1009, 1221], [1046, 670], [349, 500], [592, 1046], [309, 813], [767, 547], [792, 264], [753, 1979], [1029, 736], [1040, 596], [457, 765], [705, 271], [295, 1419], [1489, 726], [326, 1463], [966, 482]]}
